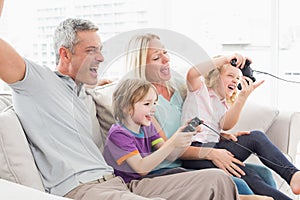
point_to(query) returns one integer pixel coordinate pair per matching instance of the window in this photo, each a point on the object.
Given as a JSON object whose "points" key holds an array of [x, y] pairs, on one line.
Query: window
{"points": [[266, 31]]}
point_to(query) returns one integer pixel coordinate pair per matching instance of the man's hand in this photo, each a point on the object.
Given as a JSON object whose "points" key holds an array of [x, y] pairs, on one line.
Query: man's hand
{"points": [[225, 160]]}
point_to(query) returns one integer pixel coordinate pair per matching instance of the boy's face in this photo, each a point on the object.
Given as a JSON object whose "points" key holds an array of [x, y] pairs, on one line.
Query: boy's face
{"points": [[144, 109]]}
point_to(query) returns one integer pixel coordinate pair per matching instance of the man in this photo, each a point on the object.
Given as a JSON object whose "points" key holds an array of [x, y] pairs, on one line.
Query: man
{"points": [[51, 107]]}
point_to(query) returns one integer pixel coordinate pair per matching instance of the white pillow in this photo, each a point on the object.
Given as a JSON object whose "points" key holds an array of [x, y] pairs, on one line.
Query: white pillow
{"points": [[16, 161], [255, 117]]}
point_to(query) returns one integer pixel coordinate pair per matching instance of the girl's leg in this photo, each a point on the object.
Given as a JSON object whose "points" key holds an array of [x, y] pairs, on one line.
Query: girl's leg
{"points": [[268, 153], [259, 186]]}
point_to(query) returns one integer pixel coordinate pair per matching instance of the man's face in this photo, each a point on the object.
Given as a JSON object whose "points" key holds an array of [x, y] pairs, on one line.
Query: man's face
{"points": [[86, 58]]}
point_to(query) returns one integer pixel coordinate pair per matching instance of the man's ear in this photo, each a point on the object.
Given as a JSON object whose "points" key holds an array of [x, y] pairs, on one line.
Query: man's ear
{"points": [[64, 54]]}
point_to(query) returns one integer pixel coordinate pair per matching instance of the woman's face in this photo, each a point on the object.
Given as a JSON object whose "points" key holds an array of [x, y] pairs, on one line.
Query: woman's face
{"points": [[230, 77], [157, 69]]}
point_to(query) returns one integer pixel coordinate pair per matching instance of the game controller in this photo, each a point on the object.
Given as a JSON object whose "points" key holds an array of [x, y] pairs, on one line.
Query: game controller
{"points": [[191, 127], [246, 70]]}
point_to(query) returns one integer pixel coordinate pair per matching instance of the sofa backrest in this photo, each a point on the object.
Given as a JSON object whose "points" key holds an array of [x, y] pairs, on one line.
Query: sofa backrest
{"points": [[16, 160]]}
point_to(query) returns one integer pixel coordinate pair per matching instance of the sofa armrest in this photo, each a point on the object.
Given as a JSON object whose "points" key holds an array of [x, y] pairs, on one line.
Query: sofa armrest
{"points": [[284, 132]]}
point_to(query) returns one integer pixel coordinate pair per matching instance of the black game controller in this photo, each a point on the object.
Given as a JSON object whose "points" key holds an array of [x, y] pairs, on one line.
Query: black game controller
{"points": [[247, 71], [191, 127]]}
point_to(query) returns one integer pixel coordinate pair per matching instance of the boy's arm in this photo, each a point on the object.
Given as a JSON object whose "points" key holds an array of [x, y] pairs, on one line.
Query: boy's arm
{"points": [[177, 143], [12, 65]]}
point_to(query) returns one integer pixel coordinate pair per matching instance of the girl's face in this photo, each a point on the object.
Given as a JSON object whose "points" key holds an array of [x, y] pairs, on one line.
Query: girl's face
{"points": [[144, 109], [158, 68], [230, 77]]}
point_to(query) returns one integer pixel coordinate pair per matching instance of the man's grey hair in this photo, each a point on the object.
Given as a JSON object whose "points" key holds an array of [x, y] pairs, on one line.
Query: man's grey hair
{"points": [[66, 34]]}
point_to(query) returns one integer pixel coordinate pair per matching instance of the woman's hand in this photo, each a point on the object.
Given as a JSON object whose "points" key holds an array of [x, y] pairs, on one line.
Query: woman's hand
{"points": [[226, 161]]}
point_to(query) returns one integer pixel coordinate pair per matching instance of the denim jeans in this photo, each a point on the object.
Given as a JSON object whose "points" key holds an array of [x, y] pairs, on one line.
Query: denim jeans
{"points": [[264, 172], [256, 143]]}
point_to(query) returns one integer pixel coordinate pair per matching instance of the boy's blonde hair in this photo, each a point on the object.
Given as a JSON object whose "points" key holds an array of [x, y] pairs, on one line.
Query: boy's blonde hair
{"points": [[127, 93]]}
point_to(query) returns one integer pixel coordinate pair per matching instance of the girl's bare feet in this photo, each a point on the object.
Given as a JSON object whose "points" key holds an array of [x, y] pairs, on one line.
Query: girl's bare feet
{"points": [[254, 197], [295, 183]]}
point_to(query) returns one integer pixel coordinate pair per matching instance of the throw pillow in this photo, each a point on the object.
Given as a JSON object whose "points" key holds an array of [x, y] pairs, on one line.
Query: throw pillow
{"points": [[255, 117], [16, 161]]}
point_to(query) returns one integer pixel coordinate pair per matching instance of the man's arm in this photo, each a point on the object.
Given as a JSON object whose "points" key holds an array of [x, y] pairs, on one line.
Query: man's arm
{"points": [[12, 65], [1, 6]]}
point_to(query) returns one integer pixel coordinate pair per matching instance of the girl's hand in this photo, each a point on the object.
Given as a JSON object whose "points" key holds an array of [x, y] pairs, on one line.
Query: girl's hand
{"points": [[240, 133], [248, 86], [240, 60], [228, 136], [233, 137]]}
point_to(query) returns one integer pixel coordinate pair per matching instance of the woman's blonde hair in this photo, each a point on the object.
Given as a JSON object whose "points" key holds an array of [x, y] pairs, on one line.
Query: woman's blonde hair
{"points": [[127, 93], [136, 59], [212, 81]]}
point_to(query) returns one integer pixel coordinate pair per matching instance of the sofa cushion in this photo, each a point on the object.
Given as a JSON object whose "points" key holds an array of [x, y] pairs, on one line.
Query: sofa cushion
{"points": [[5, 100], [102, 100], [255, 117], [16, 161]]}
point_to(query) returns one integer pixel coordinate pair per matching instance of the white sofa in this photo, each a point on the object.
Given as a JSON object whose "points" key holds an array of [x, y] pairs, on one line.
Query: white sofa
{"points": [[17, 164]]}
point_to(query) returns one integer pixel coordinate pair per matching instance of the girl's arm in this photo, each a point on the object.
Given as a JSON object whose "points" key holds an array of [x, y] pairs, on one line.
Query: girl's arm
{"points": [[193, 76], [143, 165], [232, 115]]}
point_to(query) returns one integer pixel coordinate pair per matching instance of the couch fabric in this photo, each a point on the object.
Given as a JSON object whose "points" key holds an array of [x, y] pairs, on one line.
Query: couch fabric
{"points": [[17, 164]]}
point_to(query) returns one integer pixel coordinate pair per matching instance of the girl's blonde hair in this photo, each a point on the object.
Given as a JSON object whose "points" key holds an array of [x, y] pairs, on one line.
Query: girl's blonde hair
{"points": [[212, 81], [127, 93]]}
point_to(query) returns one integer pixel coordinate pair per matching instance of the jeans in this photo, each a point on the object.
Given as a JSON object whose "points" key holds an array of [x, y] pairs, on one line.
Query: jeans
{"points": [[262, 171], [256, 143]]}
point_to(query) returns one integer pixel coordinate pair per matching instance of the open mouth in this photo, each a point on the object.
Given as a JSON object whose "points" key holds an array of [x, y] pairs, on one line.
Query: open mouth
{"points": [[165, 70], [148, 117], [94, 72], [231, 87]]}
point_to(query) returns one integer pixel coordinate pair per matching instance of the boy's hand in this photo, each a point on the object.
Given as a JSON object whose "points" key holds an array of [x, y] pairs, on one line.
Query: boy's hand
{"points": [[182, 139]]}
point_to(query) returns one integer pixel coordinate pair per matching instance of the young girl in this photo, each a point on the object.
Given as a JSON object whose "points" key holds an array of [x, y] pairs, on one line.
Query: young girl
{"points": [[130, 143], [209, 102]]}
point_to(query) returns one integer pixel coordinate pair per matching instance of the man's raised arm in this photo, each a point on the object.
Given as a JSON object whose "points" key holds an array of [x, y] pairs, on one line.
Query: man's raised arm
{"points": [[12, 65]]}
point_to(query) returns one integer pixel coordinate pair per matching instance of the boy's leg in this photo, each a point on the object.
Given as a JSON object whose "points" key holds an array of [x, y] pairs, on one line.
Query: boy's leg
{"points": [[210, 184]]}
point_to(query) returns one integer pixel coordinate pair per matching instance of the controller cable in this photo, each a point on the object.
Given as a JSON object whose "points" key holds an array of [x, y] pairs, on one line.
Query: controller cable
{"points": [[282, 79], [252, 152]]}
